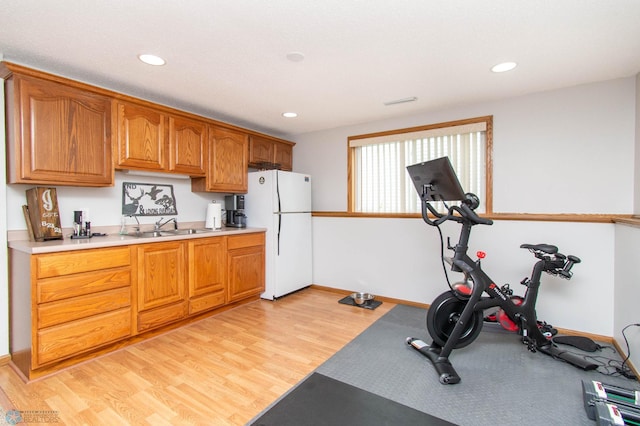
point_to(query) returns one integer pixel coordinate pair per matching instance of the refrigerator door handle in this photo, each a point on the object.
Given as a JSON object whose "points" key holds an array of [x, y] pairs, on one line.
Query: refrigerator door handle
{"points": [[279, 227], [278, 193]]}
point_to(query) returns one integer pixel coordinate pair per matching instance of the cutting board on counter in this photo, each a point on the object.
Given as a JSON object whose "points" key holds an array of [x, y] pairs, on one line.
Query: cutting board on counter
{"points": [[42, 204]]}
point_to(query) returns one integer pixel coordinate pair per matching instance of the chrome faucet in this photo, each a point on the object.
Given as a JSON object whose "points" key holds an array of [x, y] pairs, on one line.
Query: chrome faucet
{"points": [[160, 224]]}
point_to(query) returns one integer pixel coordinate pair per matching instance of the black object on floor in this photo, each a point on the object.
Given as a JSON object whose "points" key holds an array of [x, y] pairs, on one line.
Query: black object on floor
{"points": [[580, 342], [369, 304], [320, 400]]}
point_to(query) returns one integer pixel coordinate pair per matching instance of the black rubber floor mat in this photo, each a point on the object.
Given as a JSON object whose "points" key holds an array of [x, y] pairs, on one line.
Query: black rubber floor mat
{"points": [[580, 342], [323, 401], [369, 304]]}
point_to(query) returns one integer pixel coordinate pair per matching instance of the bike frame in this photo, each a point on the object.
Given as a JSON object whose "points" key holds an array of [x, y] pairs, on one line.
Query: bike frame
{"points": [[524, 314]]}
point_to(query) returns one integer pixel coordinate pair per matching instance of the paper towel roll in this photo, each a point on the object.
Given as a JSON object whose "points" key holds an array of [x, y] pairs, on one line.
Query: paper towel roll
{"points": [[213, 219]]}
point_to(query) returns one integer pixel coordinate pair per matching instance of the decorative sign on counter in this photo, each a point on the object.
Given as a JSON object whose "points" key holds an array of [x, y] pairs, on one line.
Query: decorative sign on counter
{"points": [[146, 199], [42, 205]]}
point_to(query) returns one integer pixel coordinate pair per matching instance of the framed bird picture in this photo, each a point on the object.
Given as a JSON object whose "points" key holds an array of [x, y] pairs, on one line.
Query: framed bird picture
{"points": [[147, 199]]}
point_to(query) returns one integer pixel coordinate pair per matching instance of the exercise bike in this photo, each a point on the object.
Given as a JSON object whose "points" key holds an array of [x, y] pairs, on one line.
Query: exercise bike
{"points": [[455, 318]]}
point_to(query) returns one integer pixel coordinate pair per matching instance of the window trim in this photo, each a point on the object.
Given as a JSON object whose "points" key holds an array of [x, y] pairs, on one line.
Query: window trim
{"points": [[488, 119]]}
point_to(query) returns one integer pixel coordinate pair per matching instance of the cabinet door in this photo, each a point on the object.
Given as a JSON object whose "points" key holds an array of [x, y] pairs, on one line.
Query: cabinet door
{"points": [[161, 274], [245, 264], [58, 134], [207, 273], [141, 137], [187, 146], [228, 163], [260, 150], [283, 155]]}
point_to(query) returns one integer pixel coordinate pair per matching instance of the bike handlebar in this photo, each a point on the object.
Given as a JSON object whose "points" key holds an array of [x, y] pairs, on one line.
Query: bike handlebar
{"points": [[465, 213]]}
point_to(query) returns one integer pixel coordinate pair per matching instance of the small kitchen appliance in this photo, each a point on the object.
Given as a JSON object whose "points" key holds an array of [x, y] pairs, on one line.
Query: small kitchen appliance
{"points": [[234, 205]]}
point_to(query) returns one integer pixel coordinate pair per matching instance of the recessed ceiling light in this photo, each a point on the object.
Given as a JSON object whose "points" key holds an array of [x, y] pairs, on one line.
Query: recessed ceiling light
{"points": [[505, 66], [289, 114], [151, 59]]}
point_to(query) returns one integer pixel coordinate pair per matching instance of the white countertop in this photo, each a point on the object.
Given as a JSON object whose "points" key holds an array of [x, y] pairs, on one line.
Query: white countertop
{"points": [[114, 239]]}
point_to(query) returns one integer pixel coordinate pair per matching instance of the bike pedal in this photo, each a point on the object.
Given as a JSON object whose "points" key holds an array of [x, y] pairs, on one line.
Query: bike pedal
{"points": [[531, 345]]}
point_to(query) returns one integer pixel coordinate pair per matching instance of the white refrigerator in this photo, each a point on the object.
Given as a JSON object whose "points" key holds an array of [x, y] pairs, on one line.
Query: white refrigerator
{"points": [[281, 202]]}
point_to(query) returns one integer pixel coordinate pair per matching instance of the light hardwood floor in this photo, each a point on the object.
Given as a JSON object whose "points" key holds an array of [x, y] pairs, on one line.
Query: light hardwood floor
{"points": [[222, 370]]}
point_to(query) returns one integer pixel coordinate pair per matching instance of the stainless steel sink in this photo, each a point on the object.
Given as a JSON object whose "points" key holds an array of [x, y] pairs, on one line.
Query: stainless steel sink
{"points": [[189, 231], [167, 233]]}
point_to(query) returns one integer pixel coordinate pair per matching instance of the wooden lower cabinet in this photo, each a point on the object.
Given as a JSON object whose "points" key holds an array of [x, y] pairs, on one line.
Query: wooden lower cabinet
{"points": [[161, 272], [74, 337], [245, 265], [69, 305], [66, 304], [207, 273]]}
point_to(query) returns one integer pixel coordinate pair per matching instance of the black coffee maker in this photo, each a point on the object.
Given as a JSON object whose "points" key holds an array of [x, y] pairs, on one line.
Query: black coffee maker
{"points": [[234, 205]]}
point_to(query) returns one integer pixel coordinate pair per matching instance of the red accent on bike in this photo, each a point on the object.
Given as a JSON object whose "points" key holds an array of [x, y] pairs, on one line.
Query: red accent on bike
{"points": [[481, 254], [463, 289], [504, 319], [492, 286]]}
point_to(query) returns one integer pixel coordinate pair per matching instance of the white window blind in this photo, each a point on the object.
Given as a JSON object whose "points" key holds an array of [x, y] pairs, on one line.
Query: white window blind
{"points": [[381, 182]]}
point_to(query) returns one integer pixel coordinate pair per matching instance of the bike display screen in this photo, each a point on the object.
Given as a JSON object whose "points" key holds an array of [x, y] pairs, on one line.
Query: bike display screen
{"points": [[435, 180]]}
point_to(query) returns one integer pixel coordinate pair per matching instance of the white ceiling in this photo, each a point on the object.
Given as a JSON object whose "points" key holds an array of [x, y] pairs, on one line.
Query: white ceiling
{"points": [[226, 59]]}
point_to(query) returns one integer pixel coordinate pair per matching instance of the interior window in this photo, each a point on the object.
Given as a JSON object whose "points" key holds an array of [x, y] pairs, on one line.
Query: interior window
{"points": [[378, 180]]}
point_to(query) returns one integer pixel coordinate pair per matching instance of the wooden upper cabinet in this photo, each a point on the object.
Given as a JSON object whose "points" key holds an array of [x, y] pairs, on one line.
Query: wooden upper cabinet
{"points": [[283, 155], [228, 162], [266, 152], [57, 134], [261, 150], [154, 140], [141, 135], [187, 146]]}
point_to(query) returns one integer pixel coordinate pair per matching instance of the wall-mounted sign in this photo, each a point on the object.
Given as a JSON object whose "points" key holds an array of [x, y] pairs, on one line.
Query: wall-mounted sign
{"points": [[146, 199]]}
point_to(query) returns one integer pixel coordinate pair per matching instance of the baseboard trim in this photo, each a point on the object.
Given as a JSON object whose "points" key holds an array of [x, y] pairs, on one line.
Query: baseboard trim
{"points": [[4, 360]]}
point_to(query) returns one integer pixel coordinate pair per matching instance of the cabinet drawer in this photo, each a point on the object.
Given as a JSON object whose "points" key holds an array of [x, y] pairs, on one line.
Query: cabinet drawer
{"points": [[54, 313], [51, 265], [59, 288], [161, 316], [62, 341], [206, 302], [247, 240]]}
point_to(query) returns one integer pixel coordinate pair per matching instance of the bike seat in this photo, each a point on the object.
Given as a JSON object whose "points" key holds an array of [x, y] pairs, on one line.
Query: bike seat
{"points": [[545, 248]]}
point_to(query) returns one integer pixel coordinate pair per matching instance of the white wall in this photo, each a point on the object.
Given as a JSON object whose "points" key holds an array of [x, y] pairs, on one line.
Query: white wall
{"points": [[400, 258], [627, 290], [563, 151], [4, 270], [636, 208], [627, 259]]}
